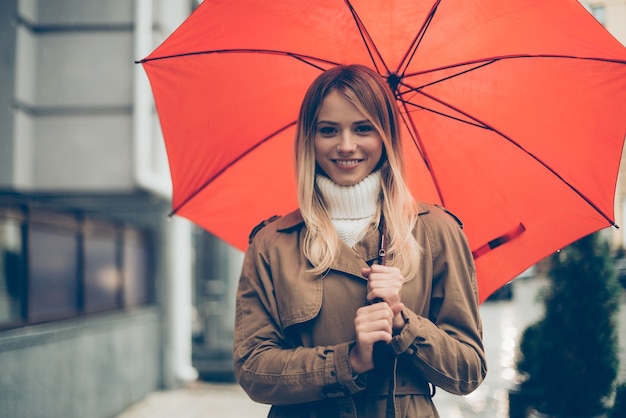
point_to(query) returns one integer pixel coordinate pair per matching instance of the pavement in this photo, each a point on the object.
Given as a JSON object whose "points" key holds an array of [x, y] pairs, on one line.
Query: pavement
{"points": [[225, 400], [198, 400]]}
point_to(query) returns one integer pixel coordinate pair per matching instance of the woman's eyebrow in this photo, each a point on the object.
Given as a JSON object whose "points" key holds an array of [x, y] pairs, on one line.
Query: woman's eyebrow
{"points": [[329, 122]]}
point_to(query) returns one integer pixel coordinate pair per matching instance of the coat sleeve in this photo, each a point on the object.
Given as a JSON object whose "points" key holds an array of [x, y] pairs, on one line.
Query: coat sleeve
{"points": [[267, 366], [447, 347]]}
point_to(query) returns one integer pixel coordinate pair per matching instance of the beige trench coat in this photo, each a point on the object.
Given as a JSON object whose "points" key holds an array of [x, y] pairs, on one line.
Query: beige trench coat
{"points": [[294, 330]]}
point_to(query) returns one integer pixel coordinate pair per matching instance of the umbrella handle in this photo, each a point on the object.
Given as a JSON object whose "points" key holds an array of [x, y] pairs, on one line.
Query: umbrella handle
{"points": [[382, 249], [383, 242]]}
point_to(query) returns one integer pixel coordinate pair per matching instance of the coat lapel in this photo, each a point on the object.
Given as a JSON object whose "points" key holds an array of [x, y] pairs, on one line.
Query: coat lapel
{"points": [[349, 260], [352, 260]]}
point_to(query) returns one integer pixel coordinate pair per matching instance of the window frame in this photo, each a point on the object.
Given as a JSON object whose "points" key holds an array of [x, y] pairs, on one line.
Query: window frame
{"points": [[83, 228]]}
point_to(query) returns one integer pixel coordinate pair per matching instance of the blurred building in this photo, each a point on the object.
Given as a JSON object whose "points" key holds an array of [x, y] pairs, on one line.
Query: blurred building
{"points": [[95, 280]]}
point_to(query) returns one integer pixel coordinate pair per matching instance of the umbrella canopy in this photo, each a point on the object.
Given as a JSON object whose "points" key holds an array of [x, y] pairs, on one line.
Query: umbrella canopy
{"points": [[514, 112]]}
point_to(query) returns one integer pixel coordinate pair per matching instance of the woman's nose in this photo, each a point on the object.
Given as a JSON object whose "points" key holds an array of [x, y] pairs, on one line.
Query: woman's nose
{"points": [[347, 143]]}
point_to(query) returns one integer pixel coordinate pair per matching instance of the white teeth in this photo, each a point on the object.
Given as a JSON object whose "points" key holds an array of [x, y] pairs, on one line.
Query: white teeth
{"points": [[349, 162]]}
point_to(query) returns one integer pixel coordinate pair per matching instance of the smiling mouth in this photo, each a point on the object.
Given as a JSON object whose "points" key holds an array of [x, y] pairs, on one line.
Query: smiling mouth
{"points": [[346, 163]]}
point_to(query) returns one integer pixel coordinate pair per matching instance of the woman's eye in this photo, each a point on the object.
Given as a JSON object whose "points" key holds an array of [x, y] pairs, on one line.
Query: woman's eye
{"points": [[327, 130], [363, 129]]}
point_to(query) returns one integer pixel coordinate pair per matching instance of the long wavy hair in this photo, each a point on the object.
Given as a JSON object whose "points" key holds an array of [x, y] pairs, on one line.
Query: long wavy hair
{"points": [[371, 95]]}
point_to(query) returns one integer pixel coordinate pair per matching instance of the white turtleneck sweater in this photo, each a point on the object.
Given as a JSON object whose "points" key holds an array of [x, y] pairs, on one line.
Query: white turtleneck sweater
{"points": [[351, 208]]}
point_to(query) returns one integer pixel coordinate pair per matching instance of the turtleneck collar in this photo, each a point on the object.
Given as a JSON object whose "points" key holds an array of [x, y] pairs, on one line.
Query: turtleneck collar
{"points": [[357, 201]]}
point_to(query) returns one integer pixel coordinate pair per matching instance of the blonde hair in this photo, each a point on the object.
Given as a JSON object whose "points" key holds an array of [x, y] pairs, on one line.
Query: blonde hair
{"points": [[370, 94]]}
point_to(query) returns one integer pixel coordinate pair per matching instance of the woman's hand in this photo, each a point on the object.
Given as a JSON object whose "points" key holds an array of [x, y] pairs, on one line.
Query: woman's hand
{"points": [[372, 323], [378, 321], [385, 284]]}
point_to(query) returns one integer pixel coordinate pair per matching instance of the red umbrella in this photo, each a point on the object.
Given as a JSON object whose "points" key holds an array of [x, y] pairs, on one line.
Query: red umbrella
{"points": [[514, 112]]}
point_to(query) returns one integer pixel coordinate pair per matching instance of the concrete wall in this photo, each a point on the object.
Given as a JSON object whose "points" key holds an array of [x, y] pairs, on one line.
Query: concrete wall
{"points": [[7, 76], [73, 95], [80, 368]]}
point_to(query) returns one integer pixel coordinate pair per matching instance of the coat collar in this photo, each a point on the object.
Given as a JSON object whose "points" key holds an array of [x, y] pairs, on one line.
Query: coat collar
{"points": [[350, 260], [294, 219]]}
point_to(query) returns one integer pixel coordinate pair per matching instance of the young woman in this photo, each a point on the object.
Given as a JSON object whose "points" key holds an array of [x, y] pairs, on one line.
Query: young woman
{"points": [[327, 324]]}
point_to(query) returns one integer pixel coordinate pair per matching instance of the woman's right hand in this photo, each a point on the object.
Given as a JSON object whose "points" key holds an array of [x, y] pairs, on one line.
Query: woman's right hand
{"points": [[372, 323]]}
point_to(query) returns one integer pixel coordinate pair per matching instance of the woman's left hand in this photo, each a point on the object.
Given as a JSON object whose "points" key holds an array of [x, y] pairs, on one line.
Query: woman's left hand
{"points": [[385, 283]]}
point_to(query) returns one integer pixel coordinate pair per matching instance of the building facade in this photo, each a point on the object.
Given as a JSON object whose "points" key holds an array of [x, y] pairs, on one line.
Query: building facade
{"points": [[95, 281]]}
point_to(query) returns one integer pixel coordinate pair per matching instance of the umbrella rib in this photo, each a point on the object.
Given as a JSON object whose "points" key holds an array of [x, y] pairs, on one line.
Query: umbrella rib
{"points": [[367, 39], [477, 67], [307, 59], [480, 123], [491, 60], [219, 173], [414, 135], [479, 64], [412, 129], [412, 50], [476, 124]]}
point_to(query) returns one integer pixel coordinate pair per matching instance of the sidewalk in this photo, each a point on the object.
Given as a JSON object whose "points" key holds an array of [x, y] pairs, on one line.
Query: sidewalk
{"points": [[198, 400], [213, 400]]}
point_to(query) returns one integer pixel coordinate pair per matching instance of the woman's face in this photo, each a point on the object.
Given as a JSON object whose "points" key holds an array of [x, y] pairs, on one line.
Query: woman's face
{"points": [[347, 146]]}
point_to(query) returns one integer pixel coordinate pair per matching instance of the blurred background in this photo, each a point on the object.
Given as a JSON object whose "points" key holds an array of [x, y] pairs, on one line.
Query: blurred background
{"points": [[105, 299]]}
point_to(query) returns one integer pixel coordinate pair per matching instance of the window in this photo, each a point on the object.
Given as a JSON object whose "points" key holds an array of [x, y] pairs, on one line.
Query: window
{"points": [[136, 287], [101, 264], [57, 265], [52, 269]]}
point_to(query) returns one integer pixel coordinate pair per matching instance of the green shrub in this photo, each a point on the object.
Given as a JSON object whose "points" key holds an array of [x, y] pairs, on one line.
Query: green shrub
{"points": [[569, 358]]}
